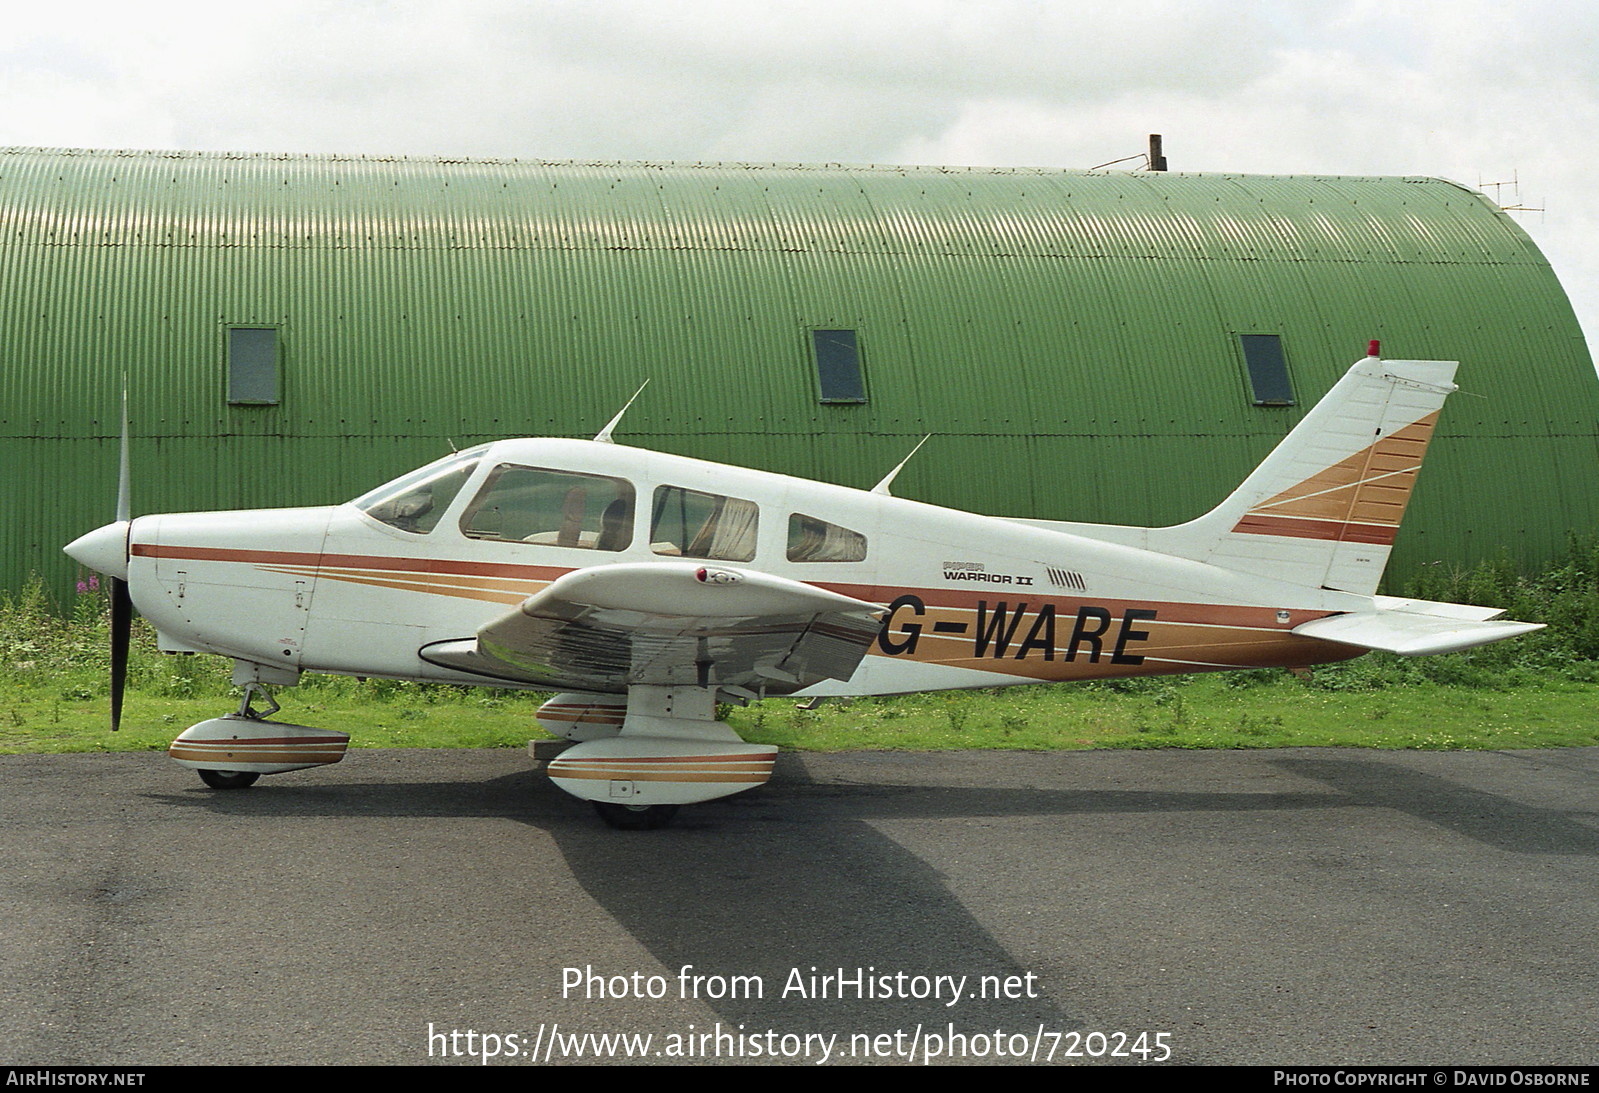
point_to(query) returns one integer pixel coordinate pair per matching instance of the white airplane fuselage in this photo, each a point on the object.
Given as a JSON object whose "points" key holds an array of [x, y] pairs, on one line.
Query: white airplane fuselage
{"points": [[971, 601], [645, 588]]}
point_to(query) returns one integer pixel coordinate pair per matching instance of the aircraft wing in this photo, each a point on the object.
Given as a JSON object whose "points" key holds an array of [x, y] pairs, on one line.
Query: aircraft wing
{"points": [[610, 627], [1419, 628]]}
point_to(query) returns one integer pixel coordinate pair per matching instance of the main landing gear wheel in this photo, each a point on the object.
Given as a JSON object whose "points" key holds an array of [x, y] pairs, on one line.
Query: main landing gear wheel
{"points": [[633, 817], [228, 779]]}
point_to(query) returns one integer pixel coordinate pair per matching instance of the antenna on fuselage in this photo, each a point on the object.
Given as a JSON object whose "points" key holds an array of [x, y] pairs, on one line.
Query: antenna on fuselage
{"points": [[882, 487], [604, 435]]}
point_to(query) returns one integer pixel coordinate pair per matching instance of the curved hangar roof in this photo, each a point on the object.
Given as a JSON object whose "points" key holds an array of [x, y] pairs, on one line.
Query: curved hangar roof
{"points": [[1102, 346]]}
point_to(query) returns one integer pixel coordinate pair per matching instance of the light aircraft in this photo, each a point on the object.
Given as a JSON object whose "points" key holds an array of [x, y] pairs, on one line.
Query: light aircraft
{"points": [[646, 588]]}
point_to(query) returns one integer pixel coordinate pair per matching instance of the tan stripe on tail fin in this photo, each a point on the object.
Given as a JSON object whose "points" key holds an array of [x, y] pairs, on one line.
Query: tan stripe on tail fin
{"points": [[1360, 499]]}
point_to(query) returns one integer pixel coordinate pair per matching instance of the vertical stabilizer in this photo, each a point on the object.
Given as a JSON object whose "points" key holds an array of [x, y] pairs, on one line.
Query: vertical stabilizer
{"points": [[1325, 505]]}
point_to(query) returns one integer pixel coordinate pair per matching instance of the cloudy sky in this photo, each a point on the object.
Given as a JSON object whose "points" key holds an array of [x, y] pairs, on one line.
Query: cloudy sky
{"points": [[1471, 90]]}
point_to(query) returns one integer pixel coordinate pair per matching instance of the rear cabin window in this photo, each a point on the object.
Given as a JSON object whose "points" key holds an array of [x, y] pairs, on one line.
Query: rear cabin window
{"points": [[552, 508], [689, 524], [814, 540]]}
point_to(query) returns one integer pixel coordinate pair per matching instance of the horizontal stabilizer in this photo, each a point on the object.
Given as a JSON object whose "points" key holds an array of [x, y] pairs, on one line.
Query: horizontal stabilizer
{"points": [[1441, 610], [1410, 633]]}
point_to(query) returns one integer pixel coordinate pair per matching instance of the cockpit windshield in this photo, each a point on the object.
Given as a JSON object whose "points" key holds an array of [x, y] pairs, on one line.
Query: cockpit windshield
{"points": [[417, 501]]}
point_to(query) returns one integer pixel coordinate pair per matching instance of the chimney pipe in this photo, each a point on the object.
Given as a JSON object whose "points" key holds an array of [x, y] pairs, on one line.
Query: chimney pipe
{"points": [[1157, 162]]}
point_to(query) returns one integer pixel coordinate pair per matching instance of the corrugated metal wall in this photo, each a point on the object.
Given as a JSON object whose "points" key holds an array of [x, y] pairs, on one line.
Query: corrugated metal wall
{"points": [[1070, 338]]}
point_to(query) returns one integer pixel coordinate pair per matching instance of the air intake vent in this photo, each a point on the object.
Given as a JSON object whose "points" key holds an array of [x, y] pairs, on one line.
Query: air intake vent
{"points": [[1066, 578]]}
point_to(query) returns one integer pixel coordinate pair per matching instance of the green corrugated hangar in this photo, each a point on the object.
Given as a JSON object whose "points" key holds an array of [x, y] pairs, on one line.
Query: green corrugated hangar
{"points": [[1102, 346]]}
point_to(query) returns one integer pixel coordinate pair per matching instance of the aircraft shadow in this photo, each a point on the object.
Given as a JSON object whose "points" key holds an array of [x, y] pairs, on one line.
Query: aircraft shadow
{"points": [[797, 878], [792, 879], [1488, 818]]}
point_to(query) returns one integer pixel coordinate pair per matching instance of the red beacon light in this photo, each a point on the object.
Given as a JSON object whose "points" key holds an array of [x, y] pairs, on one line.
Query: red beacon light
{"points": [[1374, 349]]}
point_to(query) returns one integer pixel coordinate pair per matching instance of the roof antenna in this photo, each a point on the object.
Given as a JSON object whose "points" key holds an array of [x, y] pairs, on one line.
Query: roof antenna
{"points": [[604, 435], [882, 487]]}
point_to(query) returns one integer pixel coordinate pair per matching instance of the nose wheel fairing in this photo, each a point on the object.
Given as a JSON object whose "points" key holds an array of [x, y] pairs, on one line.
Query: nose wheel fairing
{"points": [[249, 745]]}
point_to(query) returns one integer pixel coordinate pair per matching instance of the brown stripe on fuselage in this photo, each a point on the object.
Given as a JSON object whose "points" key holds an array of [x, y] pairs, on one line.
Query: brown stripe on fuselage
{"points": [[520, 586], [543, 573], [1226, 627], [962, 599], [424, 585], [1168, 649]]}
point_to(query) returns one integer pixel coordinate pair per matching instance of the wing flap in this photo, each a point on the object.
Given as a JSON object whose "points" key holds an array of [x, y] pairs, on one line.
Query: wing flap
{"points": [[670, 624]]}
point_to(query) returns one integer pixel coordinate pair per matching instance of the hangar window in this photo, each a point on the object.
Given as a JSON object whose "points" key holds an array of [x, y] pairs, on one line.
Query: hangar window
{"points": [[253, 365], [1268, 369], [691, 524], [552, 508], [838, 366]]}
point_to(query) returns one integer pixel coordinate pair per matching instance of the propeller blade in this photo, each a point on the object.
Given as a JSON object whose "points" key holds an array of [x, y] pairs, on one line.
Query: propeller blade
{"points": [[121, 634], [121, 601]]}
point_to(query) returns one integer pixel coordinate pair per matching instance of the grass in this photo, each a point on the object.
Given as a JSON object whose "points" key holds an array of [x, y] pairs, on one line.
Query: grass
{"points": [[1190, 712], [1196, 712], [1537, 691]]}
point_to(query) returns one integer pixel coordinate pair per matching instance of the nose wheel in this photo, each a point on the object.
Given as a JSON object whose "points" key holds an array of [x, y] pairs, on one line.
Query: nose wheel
{"points": [[228, 779]]}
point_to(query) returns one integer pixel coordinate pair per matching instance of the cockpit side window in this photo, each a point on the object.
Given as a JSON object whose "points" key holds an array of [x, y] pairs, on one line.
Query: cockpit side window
{"points": [[815, 540], [552, 508], [416, 502], [690, 524]]}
